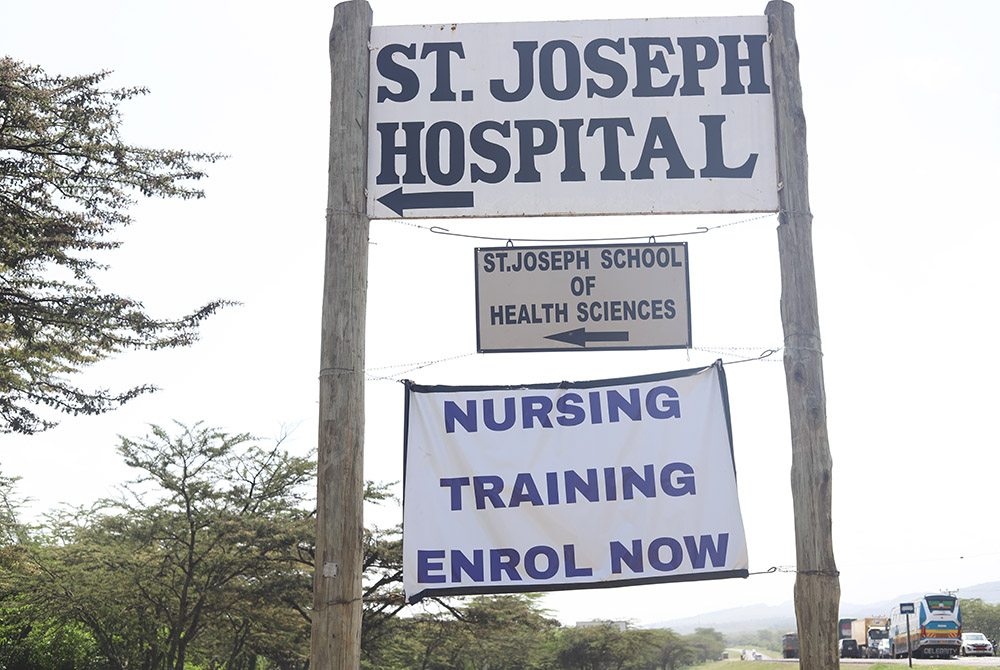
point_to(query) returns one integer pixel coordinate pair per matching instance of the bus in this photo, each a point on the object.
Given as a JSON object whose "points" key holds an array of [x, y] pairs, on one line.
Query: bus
{"points": [[935, 627]]}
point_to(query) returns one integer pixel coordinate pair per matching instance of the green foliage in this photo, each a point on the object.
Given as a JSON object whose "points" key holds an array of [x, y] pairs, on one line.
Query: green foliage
{"points": [[606, 647], [760, 639], [45, 645], [204, 562], [981, 617], [205, 555], [506, 632], [66, 183]]}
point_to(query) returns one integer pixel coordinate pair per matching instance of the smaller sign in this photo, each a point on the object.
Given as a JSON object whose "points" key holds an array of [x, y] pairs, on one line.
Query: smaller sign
{"points": [[583, 298], [906, 608]]}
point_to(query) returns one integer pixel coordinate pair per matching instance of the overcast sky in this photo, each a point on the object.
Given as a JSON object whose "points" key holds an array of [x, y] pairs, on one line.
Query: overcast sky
{"points": [[901, 108]]}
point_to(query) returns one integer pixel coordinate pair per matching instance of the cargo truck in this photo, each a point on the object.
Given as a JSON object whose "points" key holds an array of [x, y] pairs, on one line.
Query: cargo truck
{"points": [[868, 630]]}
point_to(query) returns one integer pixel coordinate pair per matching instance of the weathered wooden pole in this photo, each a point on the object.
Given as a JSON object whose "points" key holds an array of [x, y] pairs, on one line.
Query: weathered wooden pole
{"points": [[336, 617], [817, 582]]}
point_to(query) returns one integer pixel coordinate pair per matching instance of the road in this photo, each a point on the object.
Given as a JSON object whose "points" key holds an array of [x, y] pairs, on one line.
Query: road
{"points": [[962, 661]]}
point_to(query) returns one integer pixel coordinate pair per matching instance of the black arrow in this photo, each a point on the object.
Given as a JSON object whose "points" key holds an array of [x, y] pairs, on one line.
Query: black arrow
{"points": [[398, 201], [580, 337]]}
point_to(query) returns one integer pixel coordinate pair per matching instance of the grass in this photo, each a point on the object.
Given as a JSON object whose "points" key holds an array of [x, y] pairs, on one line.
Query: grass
{"points": [[767, 665]]}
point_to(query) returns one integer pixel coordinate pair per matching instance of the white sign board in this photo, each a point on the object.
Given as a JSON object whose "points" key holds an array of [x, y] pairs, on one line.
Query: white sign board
{"points": [[570, 485], [583, 298], [570, 118]]}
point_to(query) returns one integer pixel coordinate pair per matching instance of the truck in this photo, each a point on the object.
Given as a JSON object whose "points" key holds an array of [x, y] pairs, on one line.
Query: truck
{"points": [[868, 630], [790, 645]]}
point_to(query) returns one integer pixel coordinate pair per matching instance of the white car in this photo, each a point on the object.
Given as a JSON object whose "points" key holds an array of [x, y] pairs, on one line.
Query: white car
{"points": [[882, 649], [976, 644]]}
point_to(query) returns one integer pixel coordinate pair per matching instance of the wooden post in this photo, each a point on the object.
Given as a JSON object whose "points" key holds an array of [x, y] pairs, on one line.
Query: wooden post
{"points": [[336, 617], [817, 583]]}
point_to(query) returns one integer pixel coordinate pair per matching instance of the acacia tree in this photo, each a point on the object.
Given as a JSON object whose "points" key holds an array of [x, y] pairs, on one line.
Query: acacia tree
{"points": [[203, 558], [67, 181]]}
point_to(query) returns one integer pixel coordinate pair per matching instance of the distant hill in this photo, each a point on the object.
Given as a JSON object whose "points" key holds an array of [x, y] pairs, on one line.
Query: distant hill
{"points": [[782, 617]]}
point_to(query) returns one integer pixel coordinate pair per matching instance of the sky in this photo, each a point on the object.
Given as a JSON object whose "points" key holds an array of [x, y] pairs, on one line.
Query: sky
{"points": [[901, 111]]}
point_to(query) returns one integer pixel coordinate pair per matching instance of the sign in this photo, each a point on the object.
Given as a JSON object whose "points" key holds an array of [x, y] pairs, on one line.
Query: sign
{"points": [[906, 608], [570, 485], [583, 298], [584, 117]]}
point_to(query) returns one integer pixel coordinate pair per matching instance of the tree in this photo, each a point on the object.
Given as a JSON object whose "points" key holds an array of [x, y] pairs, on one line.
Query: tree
{"points": [[508, 632], [707, 644], [66, 183], [981, 617], [202, 558], [606, 647]]}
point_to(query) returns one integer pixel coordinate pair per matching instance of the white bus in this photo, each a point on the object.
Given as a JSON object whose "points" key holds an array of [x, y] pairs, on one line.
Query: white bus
{"points": [[935, 628]]}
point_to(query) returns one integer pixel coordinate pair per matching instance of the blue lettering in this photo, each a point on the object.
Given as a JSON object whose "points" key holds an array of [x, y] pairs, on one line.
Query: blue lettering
{"points": [[504, 561], [460, 563], [568, 408], [456, 484], [570, 414], [611, 484], [619, 555], [552, 484], [631, 481], [426, 564], [487, 487], [524, 491], [536, 407], [569, 554], [489, 414], [717, 553], [676, 554], [531, 560], [617, 403], [575, 483], [466, 419], [663, 409], [685, 484]]}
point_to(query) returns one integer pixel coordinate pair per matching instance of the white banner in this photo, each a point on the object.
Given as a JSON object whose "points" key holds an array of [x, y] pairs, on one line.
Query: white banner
{"points": [[644, 116], [570, 485]]}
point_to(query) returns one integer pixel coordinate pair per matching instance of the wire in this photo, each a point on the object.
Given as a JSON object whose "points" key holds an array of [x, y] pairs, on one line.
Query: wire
{"points": [[700, 230]]}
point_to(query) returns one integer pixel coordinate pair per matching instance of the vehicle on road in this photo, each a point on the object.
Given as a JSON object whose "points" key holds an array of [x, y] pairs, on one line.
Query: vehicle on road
{"points": [[976, 644], [934, 627], [849, 648], [866, 631], [881, 649], [790, 645]]}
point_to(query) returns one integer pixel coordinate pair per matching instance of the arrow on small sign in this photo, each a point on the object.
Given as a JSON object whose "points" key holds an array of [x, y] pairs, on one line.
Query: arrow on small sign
{"points": [[398, 201], [580, 336]]}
